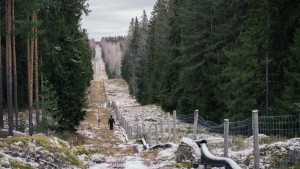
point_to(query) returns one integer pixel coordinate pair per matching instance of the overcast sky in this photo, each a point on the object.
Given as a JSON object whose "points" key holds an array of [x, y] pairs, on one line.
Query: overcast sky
{"points": [[112, 17]]}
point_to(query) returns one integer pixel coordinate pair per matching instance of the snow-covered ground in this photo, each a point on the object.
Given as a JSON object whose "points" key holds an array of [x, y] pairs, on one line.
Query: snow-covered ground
{"points": [[278, 154], [114, 149]]}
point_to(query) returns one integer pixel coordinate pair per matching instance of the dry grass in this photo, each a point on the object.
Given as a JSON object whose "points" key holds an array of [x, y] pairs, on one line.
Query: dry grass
{"points": [[272, 139], [119, 82], [150, 157], [105, 141], [114, 151], [96, 94], [237, 144]]}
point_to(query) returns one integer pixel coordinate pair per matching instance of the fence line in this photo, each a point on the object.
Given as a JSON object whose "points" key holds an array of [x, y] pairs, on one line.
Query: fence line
{"points": [[285, 125], [190, 125]]}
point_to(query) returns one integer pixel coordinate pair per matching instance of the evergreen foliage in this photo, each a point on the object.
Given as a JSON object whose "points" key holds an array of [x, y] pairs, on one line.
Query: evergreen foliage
{"points": [[224, 58], [65, 53]]}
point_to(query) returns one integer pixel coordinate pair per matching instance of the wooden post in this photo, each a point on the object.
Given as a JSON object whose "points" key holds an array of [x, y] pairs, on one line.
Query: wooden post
{"points": [[299, 123], [120, 121], [126, 127], [195, 124], [143, 128], [140, 130], [226, 132], [129, 136], [255, 138], [125, 123], [137, 130], [131, 133], [162, 131], [117, 112], [156, 133], [169, 125], [98, 118], [150, 136], [174, 126]]}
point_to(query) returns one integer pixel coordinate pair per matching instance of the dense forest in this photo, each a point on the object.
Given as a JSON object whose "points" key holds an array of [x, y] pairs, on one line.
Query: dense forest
{"points": [[112, 49], [45, 63], [224, 58]]}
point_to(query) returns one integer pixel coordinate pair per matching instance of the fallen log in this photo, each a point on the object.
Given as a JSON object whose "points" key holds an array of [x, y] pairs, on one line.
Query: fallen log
{"points": [[215, 161]]}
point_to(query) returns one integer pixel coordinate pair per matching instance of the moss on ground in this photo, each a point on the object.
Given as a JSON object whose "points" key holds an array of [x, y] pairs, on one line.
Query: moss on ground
{"points": [[18, 165], [45, 142]]}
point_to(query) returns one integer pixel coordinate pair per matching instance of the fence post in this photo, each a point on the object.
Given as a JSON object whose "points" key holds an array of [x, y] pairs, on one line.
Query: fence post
{"points": [[162, 130], [255, 138], [120, 121], [128, 131], [98, 118], [131, 133], [195, 124], [226, 132], [299, 124], [117, 112], [143, 128], [150, 135], [123, 122], [169, 125], [138, 130], [174, 126], [156, 133], [127, 127]]}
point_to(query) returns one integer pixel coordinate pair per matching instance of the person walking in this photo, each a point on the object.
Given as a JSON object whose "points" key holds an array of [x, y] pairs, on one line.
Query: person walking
{"points": [[111, 123]]}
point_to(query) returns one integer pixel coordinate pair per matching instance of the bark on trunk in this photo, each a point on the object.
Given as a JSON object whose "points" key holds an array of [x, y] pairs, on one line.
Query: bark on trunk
{"points": [[15, 79], [1, 94], [29, 74], [36, 58], [9, 65]]}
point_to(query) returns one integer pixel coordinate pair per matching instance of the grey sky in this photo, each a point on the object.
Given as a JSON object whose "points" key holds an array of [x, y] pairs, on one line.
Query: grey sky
{"points": [[112, 17]]}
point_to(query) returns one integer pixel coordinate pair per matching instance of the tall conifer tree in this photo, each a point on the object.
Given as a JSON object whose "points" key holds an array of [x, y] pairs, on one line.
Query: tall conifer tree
{"points": [[9, 65]]}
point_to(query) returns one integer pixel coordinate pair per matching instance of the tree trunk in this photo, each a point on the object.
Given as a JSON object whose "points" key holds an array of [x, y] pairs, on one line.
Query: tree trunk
{"points": [[267, 61], [29, 74], [9, 65], [44, 115], [36, 59], [15, 79], [1, 100]]}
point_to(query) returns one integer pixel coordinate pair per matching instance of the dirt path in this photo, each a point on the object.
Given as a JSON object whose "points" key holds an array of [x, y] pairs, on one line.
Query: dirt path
{"points": [[105, 148]]}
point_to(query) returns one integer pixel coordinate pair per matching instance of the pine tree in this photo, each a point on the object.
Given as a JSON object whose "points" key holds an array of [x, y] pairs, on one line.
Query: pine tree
{"points": [[69, 61], [15, 79], [9, 64], [142, 62], [1, 90], [158, 49], [125, 63], [130, 60], [173, 63], [290, 100], [30, 55], [36, 72]]}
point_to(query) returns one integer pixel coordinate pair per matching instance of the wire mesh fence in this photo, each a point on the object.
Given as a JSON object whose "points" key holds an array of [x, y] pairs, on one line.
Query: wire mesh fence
{"points": [[171, 128], [286, 126]]}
